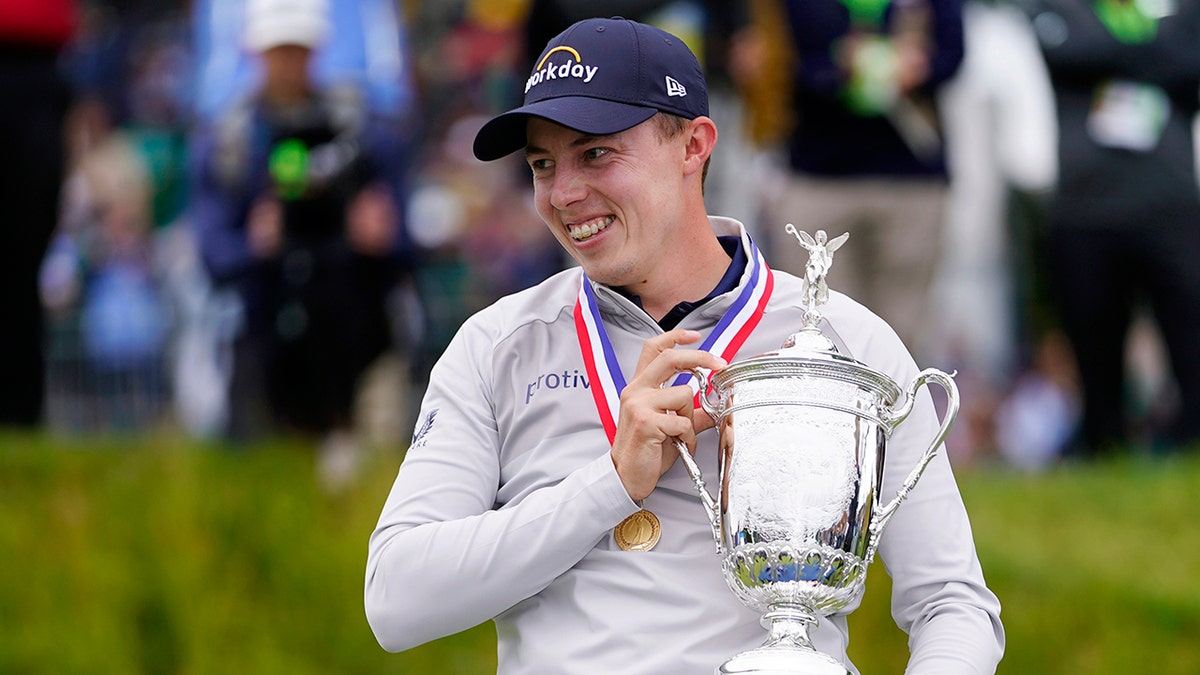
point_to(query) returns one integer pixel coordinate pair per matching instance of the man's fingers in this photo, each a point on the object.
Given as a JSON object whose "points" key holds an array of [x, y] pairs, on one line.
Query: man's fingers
{"points": [[667, 364], [701, 421], [672, 399], [658, 344]]}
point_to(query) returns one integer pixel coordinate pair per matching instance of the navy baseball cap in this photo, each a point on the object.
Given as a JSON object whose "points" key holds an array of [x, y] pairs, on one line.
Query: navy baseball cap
{"points": [[601, 76]]}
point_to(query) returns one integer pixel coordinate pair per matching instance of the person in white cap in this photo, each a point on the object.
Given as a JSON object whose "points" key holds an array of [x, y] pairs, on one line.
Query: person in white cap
{"points": [[295, 205], [284, 34], [542, 490], [271, 23]]}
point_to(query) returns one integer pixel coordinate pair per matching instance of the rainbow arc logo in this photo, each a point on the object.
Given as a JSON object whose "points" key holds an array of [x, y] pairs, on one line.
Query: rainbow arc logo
{"points": [[571, 66]]}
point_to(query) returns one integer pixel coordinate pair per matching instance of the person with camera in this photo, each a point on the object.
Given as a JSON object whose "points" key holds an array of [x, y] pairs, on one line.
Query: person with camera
{"points": [[296, 207]]}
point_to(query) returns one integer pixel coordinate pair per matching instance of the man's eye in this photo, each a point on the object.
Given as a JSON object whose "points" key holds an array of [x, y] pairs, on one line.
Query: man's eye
{"points": [[539, 164], [595, 153]]}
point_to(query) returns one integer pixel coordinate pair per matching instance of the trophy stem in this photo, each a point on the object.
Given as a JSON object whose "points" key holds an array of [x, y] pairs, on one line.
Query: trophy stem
{"points": [[788, 649], [789, 626]]}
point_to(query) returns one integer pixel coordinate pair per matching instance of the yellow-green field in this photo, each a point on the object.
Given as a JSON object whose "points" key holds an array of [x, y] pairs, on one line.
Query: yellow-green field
{"points": [[160, 556]]}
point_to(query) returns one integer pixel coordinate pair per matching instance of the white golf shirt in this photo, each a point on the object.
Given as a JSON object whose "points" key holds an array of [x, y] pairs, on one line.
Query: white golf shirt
{"points": [[503, 508]]}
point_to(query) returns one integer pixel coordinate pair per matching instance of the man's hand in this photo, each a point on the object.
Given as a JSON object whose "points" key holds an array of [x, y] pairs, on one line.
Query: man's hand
{"points": [[264, 228], [651, 415], [371, 221]]}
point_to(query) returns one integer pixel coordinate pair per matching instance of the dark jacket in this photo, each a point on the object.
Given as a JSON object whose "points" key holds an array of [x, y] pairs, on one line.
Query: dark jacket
{"points": [[831, 139], [1120, 169], [721, 19]]}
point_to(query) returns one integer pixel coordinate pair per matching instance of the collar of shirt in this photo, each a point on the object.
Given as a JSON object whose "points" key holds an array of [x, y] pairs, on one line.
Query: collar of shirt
{"points": [[737, 265]]}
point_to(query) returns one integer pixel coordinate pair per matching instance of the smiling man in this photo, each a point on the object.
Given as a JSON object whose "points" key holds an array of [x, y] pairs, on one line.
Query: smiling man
{"points": [[565, 516]]}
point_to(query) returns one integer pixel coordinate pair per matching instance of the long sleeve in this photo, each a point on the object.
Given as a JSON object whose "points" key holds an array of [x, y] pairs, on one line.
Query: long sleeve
{"points": [[443, 557], [939, 596]]}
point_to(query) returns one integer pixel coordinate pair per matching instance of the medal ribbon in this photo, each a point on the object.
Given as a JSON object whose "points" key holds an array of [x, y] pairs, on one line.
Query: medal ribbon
{"points": [[604, 372]]}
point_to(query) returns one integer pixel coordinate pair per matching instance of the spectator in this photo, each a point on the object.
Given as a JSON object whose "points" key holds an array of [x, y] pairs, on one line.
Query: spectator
{"points": [[998, 116], [366, 44], [101, 282], [1124, 224], [296, 206], [112, 335], [866, 154], [34, 101]]}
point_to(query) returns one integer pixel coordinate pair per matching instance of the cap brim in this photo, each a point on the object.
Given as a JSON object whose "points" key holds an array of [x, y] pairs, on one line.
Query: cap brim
{"points": [[505, 133]]}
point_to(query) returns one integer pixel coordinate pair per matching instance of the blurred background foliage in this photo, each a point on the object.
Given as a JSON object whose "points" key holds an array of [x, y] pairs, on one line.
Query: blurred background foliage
{"points": [[157, 555]]}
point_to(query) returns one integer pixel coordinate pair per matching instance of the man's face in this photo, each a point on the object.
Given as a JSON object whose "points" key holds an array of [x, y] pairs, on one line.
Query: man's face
{"points": [[286, 68], [611, 201]]}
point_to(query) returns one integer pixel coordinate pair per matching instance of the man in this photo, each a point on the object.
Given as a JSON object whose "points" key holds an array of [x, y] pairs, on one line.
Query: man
{"points": [[506, 504], [721, 33]]}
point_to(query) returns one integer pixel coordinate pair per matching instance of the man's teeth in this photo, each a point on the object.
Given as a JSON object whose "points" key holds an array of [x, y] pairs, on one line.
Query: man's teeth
{"points": [[581, 231]]}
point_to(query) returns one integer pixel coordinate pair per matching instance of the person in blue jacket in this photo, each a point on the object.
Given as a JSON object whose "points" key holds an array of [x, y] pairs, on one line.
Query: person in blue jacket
{"points": [[296, 205]]}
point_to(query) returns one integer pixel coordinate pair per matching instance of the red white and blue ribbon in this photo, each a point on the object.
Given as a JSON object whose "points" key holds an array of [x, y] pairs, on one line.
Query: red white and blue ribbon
{"points": [[727, 337]]}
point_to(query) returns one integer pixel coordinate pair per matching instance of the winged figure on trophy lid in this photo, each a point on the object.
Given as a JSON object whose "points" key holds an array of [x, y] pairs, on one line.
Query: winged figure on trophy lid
{"points": [[820, 258]]}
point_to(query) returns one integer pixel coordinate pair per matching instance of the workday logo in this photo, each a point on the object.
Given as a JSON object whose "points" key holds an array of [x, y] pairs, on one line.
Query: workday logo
{"points": [[553, 67]]}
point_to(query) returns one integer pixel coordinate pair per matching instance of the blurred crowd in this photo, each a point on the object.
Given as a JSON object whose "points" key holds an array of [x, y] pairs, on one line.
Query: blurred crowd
{"points": [[254, 217]]}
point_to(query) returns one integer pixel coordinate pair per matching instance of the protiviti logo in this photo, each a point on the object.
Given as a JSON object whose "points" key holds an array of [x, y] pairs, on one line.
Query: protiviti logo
{"points": [[549, 69]]}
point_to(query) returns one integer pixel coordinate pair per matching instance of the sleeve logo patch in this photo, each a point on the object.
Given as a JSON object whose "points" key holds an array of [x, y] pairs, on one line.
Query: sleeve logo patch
{"points": [[421, 435]]}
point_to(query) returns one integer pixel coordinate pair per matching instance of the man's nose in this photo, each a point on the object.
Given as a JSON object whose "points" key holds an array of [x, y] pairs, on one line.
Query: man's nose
{"points": [[569, 188]]}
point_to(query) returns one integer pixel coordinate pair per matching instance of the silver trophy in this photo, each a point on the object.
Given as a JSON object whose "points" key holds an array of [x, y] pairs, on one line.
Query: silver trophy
{"points": [[803, 432]]}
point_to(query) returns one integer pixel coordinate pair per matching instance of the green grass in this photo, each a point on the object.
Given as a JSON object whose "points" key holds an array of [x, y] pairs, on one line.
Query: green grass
{"points": [[1097, 568], [155, 555]]}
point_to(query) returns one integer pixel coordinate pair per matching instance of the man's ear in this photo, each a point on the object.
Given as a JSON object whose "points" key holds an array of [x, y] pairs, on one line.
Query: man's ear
{"points": [[702, 138]]}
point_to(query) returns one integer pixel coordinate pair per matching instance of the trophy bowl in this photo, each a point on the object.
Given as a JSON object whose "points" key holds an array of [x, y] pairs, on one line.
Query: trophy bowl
{"points": [[803, 435]]}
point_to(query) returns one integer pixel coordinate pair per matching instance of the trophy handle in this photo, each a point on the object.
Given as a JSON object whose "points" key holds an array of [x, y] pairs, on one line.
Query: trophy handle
{"points": [[693, 469], [893, 420]]}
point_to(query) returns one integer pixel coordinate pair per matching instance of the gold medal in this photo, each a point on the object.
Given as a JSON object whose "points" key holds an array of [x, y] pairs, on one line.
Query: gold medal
{"points": [[639, 532]]}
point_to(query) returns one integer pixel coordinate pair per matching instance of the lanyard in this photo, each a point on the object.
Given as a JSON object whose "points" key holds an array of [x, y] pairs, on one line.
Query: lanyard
{"points": [[600, 360], [1126, 21], [866, 13]]}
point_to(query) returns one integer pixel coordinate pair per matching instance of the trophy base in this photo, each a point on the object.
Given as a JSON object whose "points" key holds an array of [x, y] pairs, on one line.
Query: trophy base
{"points": [[782, 661]]}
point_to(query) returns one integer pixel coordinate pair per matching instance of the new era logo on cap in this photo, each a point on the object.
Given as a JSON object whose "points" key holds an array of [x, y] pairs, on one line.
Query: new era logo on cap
{"points": [[674, 88], [599, 77]]}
